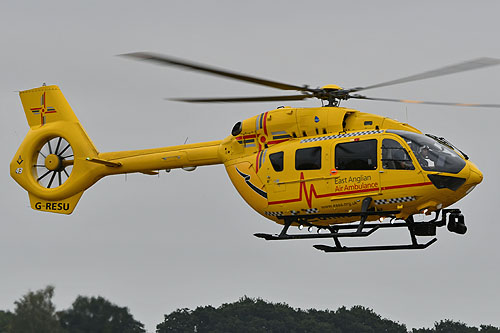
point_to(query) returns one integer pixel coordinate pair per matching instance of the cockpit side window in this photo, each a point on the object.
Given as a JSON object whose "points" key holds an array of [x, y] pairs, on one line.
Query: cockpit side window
{"points": [[277, 161], [430, 154], [308, 158], [357, 155], [395, 157]]}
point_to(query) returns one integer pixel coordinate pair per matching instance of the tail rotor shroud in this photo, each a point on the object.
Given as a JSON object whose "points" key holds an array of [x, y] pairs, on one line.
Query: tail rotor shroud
{"points": [[54, 163]]}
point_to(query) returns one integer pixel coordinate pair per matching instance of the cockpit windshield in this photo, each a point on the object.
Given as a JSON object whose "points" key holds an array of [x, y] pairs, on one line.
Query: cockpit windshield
{"points": [[432, 155]]}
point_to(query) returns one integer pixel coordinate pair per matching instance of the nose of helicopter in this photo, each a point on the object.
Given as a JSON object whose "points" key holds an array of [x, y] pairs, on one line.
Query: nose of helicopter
{"points": [[475, 176]]}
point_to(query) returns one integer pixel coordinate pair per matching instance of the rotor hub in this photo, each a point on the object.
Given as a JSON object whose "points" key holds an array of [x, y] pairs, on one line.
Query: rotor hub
{"points": [[332, 87], [53, 162]]}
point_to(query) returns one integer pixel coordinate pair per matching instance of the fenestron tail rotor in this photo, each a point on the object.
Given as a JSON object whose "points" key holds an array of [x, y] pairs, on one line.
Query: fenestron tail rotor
{"points": [[330, 93], [54, 163]]}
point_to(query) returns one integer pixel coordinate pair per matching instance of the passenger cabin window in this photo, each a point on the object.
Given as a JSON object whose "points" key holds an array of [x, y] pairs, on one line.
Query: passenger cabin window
{"points": [[277, 161], [308, 158], [394, 156], [357, 155]]}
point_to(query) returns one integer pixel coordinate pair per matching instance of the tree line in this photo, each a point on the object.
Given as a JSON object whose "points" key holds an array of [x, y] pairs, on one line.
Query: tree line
{"points": [[256, 315], [35, 312]]}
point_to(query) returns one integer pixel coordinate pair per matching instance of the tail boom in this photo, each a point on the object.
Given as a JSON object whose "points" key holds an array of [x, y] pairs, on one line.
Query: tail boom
{"points": [[191, 155]]}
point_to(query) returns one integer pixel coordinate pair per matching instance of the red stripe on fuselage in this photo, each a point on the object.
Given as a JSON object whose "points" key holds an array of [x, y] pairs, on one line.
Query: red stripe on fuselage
{"points": [[257, 162], [265, 122], [251, 136], [312, 192], [276, 141]]}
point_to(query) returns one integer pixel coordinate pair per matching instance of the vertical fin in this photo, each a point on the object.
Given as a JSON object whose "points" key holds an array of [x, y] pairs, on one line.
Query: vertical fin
{"points": [[46, 105]]}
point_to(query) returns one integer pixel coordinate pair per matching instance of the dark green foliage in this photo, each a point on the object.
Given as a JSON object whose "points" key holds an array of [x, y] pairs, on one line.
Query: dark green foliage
{"points": [[256, 315], [5, 320], [423, 330], [489, 329], [361, 319], [97, 315], [36, 313], [449, 326]]}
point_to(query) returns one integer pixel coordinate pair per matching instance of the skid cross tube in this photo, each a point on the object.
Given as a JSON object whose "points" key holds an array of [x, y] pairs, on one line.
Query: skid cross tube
{"points": [[362, 229], [409, 223], [364, 209], [333, 229]]}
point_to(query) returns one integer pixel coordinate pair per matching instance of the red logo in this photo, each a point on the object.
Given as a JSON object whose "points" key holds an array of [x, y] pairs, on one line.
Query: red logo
{"points": [[43, 110]]}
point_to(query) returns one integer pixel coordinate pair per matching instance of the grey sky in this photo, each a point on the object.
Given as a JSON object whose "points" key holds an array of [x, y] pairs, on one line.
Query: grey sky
{"points": [[185, 239]]}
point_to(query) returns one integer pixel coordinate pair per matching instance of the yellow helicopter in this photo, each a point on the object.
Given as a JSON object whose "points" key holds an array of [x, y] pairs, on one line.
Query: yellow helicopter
{"points": [[330, 168]]}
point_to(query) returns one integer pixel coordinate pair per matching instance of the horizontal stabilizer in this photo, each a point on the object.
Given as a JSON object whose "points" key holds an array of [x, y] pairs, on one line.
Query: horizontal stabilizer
{"points": [[104, 162], [150, 173]]}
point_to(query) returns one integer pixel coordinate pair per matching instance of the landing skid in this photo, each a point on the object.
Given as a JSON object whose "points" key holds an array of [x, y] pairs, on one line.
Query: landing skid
{"points": [[327, 248], [362, 229]]}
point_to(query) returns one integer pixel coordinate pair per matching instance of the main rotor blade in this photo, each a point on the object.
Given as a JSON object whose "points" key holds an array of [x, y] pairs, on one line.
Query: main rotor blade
{"points": [[461, 67], [243, 99], [426, 102], [171, 61]]}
